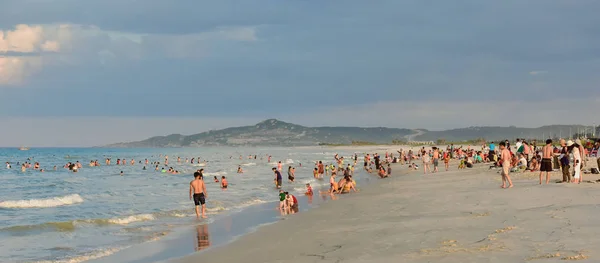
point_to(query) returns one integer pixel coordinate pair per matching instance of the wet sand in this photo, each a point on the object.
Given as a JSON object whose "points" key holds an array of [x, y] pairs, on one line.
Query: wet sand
{"points": [[456, 216]]}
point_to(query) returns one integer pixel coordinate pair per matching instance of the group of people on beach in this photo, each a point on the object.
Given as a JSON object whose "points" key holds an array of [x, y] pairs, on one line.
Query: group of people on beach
{"points": [[570, 157]]}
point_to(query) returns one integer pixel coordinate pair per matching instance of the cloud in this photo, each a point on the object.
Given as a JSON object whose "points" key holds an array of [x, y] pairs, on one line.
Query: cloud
{"points": [[26, 39], [538, 72], [22, 51], [27, 49], [15, 69], [258, 58]]}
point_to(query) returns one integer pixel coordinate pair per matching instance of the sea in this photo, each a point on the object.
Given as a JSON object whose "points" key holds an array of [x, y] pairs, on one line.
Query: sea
{"points": [[61, 216]]}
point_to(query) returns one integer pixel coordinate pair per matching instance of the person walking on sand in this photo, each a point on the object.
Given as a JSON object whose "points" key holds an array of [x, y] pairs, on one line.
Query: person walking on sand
{"points": [[198, 193], [506, 158], [436, 159], [546, 161], [446, 160], [426, 161], [576, 161]]}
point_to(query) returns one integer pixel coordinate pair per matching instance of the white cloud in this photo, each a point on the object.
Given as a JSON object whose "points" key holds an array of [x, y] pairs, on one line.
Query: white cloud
{"points": [[28, 48], [14, 70]]}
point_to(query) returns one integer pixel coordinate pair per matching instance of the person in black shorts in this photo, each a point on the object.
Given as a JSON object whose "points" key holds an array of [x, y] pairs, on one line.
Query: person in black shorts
{"points": [[198, 194], [546, 166]]}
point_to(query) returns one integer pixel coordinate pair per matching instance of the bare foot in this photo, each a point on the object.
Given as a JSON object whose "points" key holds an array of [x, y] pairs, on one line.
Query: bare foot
{"points": [[503, 186], [204, 217], [510, 186]]}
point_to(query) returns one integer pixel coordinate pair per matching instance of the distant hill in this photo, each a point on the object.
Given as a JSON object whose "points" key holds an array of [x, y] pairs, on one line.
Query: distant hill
{"points": [[501, 133], [274, 132]]}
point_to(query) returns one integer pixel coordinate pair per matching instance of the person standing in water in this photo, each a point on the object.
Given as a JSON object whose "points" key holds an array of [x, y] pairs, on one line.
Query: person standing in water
{"points": [[223, 182], [198, 193], [278, 178]]}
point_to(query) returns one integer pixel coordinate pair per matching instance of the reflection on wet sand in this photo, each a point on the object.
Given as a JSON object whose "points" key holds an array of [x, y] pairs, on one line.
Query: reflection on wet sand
{"points": [[203, 237]]}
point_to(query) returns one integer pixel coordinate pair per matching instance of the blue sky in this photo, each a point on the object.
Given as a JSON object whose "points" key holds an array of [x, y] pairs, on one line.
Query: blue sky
{"points": [[126, 70]]}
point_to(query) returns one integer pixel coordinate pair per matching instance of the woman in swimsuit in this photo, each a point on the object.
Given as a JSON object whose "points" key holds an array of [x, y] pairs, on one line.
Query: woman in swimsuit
{"points": [[347, 185]]}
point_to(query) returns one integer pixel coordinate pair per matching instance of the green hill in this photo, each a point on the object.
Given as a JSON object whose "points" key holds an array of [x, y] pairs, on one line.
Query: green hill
{"points": [[274, 132]]}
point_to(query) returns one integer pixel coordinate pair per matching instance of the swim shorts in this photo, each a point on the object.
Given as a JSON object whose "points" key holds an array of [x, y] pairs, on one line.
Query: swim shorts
{"points": [[435, 162], [199, 199], [546, 165], [279, 182], [505, 169]]}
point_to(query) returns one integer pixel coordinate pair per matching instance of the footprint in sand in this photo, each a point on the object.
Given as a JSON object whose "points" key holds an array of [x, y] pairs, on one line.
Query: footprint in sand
{"points": [[579, 256]]}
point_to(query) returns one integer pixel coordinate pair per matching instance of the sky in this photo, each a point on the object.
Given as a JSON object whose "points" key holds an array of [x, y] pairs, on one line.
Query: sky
{"points": [[94, 72]]}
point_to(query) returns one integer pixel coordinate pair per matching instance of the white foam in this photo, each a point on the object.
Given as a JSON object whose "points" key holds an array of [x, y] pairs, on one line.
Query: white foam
{"points": [[215, 173], [131, 219], [287, 161], [248, 164], [255, 201], [41, 203]]}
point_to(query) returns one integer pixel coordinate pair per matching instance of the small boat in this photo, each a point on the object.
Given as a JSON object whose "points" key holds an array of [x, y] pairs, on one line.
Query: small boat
{"points": [[23, 148]]}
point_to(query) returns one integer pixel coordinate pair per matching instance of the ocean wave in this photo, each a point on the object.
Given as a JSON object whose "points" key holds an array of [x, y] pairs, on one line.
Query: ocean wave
{"points": [[57, 226], [255, 201], [287, 161], [215, 174], [131, 219], [248, 164], [42, 203], [72, 225], [68, 226]]}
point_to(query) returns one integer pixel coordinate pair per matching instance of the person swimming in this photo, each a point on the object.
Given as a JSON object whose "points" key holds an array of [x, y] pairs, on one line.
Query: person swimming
{"points": [[216, 179]]}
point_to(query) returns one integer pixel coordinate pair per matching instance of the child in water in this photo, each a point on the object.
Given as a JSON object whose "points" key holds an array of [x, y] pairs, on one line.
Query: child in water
{"points": [[216, 179], [309, 190], [282, 197]]}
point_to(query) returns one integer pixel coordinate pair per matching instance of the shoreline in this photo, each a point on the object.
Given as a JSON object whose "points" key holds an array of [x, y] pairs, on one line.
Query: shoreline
{"points": [[455, 216], [224, 229]]}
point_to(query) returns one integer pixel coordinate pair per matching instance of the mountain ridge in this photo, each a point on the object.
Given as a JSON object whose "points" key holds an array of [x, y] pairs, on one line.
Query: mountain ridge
{"points": [[274, 132]]}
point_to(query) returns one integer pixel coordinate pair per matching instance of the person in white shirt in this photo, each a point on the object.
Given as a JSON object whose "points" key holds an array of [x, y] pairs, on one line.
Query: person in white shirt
{"points": [[576, 161], [518, 144]]}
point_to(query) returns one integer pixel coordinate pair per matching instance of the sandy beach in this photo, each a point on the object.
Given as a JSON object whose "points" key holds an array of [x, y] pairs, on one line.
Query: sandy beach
{"points": [[456, 216]]}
